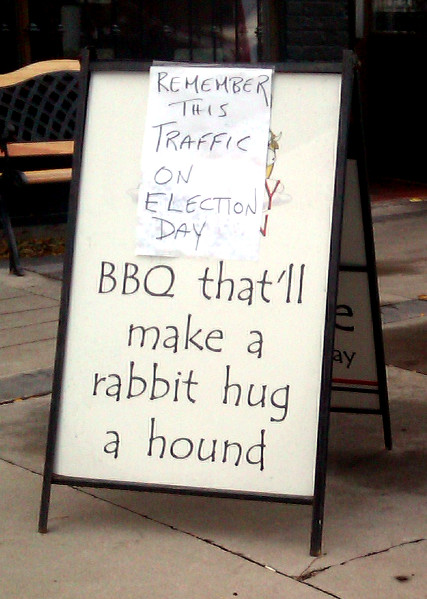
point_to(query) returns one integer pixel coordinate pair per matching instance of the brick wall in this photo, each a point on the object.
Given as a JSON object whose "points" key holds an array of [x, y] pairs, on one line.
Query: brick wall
{"points": [[316, 29]]}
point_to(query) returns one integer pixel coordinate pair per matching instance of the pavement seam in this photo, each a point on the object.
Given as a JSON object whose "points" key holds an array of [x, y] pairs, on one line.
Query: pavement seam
{"points": [[309, 574], [4, 402], [12, 297], [51, 277], [405, 212], [6, 461], [28, 342], [45, 295], [25, 326], [30, 309]]}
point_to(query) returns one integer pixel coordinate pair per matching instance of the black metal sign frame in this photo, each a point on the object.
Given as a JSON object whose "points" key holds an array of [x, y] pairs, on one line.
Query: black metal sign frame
{"points": [[347, 71]]}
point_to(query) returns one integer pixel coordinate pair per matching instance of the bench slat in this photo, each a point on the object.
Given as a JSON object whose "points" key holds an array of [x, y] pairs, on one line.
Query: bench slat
{"points": [[57, 175], [38, 68], [40, 148]]}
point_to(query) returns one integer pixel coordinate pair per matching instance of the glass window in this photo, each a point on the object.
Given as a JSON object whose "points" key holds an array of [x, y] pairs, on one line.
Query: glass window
{"points": [[184, 30], [178, 30], [400, 15]]}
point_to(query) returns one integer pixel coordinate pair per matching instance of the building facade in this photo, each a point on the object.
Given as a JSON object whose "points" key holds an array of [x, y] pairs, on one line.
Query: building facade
{"points": [[390, 37]]}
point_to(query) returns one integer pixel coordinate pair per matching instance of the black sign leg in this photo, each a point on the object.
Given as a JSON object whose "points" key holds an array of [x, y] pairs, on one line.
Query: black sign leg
{"points": [[317, 523], [44, 505], [316, 538], [321, 466], [381, 371], [388, 441]]}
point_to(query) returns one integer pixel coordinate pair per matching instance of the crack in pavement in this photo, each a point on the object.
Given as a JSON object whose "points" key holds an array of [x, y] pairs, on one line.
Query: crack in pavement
{"points": [[27, 385], [309, 574]]}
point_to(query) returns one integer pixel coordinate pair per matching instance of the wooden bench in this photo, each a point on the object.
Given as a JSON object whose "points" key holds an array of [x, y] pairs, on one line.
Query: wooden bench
{"points": [[38, 105]]}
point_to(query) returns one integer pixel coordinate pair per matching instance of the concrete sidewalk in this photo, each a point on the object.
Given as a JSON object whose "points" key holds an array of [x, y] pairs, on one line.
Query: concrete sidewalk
{"points": [[110, 543]]}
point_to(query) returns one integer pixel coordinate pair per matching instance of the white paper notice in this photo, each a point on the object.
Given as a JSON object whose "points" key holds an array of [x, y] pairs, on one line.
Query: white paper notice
{"points": [[204, 162]]}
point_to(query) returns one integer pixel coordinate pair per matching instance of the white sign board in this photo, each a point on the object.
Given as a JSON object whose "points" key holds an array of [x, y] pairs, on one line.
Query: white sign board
{"points": [[199, 372], [203, 161]]}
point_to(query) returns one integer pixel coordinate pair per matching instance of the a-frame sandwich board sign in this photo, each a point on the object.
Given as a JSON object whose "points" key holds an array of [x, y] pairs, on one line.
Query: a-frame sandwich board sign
{"points": [[201, 375], [359, 383]]}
